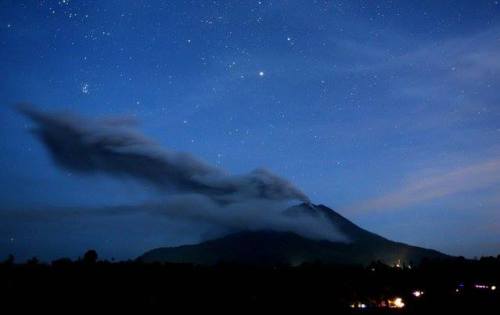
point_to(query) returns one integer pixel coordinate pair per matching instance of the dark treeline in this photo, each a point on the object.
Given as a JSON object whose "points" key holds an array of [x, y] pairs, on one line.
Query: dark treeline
{"points": [[457, 285]]}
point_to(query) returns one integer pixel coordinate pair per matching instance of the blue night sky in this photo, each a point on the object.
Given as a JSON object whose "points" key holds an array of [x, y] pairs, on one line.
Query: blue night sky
{"points": [[386, 111]]}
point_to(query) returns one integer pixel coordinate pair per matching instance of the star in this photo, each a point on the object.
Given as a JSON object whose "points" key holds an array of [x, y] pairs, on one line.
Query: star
{"points": [[261, 73]]}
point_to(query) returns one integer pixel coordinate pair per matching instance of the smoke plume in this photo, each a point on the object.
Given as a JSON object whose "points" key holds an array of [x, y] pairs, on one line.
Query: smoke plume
{"points": [[197, 190], [91, 146]]}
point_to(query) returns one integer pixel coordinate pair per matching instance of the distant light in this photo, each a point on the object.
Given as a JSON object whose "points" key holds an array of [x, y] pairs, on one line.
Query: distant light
{"points": [[261, 73], [358, 305], [396, 303], [485, 287], [398, 264], [417, 293]]}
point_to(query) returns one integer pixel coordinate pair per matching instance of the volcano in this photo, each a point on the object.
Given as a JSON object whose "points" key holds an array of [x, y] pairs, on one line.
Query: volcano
{"points": [[273, 247]]}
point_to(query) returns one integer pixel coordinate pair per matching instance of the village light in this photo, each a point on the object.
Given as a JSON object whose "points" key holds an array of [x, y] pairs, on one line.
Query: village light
{"points": [[417, 293], [396, 303], [398, 264], [358, 305]]}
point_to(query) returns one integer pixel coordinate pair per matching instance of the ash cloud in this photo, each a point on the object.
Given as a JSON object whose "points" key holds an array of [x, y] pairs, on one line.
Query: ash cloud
{"points": [[197, 191], [92, 146], [252, 214]]}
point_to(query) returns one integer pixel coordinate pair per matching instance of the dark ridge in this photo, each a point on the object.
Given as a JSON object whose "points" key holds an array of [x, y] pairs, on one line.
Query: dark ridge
{"points": [[272, 247]]}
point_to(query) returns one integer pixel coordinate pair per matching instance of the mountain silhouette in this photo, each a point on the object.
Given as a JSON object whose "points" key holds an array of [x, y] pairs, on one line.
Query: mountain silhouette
{"points": [[273, 247]]}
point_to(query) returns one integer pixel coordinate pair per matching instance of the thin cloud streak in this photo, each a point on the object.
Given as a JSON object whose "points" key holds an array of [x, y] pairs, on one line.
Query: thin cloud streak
{"points": [[471, 177]]}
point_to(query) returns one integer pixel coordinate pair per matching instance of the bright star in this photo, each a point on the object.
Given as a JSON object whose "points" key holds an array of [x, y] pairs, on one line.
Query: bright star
{"points": [[261, 73]]}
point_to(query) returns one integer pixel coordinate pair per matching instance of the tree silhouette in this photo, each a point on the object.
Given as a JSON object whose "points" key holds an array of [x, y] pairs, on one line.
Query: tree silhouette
{"points": [[33, 261], [90, 257], [10, 260]]}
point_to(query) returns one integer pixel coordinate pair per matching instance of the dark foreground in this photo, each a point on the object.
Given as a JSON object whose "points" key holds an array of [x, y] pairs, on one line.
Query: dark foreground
{"points": [[455, 286]]}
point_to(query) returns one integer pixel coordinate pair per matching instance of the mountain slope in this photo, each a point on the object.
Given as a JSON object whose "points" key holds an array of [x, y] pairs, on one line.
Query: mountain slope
{"points": [[270, 247]]}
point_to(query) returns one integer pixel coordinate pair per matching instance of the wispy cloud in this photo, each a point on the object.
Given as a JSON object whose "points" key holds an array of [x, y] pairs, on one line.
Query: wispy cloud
{"points": [[438, 185]]}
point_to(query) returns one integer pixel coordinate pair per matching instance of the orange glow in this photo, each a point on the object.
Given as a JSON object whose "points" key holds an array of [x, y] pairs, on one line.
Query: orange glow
{"points": [[396, 303]]}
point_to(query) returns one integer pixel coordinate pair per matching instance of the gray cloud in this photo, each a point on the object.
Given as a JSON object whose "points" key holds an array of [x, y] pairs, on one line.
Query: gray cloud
{"points": [[92, 146], [205, 214], [196, 191], [250, 214]]}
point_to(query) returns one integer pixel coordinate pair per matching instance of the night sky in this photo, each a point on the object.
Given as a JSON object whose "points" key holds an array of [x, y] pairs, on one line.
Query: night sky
{"points": [[386, 111]]}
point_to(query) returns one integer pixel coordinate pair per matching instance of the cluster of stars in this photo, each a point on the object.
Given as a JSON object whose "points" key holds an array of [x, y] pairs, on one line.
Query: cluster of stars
{"points": [[85, 88]]}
